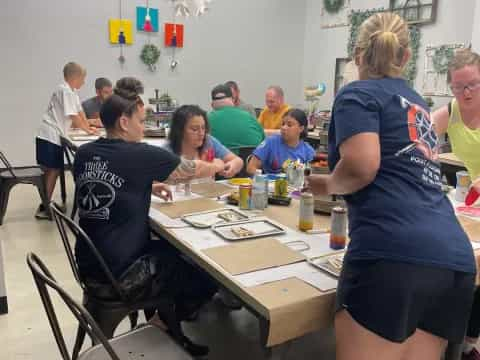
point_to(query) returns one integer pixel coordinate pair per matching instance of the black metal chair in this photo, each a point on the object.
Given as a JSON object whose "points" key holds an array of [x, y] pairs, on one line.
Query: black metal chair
{"points": [[146, 343], [109, 312], [69, 151], [11, 176], [244, 152]]}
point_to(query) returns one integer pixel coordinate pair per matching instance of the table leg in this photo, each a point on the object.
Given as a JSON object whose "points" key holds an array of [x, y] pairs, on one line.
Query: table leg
{"points": [[453, 352]]}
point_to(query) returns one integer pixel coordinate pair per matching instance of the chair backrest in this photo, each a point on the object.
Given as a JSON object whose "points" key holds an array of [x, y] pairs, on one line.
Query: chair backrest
{"points": [[258, 111], [63, 223], [244, 152], [45, 281], [69, 149], [6, 163]]}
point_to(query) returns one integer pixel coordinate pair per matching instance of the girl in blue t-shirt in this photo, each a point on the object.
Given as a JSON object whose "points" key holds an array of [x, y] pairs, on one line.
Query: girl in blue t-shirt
{"points": [[189, 138], [408, 275], [273, 154]]}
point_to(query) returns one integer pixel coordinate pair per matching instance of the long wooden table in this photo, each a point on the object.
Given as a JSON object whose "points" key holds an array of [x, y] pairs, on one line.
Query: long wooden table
{"points": [[286, 309], [289, 308], [450, 159]]}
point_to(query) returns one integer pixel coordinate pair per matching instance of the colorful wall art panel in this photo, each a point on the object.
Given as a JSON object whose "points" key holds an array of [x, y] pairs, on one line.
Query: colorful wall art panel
{"points": [[174, 35], [147, 19], [120, 31]]}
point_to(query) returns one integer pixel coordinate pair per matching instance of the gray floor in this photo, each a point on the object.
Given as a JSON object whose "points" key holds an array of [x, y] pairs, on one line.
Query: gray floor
{"points": [[230, 335]]}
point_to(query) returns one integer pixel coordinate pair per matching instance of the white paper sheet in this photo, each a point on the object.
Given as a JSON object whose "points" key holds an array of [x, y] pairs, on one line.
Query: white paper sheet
{"points": [[274, 274], [199, 239], [320, 280]]}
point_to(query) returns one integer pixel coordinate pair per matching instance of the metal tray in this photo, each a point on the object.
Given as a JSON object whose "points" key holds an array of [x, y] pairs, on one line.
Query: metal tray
{"points": [[206, 219], [326, 263], [252, 229]]}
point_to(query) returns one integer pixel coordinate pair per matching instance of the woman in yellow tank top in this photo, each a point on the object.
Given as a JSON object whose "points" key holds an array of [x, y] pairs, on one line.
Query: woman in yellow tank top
{"points": [[461, 120]]}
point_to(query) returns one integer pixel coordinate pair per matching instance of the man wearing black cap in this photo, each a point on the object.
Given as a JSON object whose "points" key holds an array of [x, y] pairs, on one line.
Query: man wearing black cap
{"points": [[232, 126]]}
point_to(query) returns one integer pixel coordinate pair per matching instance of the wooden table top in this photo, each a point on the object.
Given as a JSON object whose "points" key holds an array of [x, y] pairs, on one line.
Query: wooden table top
{"points": [[293, 308], [451, 159]]}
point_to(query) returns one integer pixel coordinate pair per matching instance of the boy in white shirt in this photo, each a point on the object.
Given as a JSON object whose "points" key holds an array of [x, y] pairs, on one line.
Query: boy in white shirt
{"points": [[64, 110]]}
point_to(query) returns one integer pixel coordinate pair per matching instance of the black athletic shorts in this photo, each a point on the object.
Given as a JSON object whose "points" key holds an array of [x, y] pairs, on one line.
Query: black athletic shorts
{"points": [[393, 299]]}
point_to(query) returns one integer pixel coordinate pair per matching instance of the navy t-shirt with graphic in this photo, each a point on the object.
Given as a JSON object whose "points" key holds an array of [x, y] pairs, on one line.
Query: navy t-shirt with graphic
{"points": [[113, 181], [403, 214]]}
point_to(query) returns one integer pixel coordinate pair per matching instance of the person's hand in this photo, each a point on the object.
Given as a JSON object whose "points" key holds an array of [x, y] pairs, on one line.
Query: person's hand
{"points": [[228, 171], [318, 184], [219, 165], [162, 191], [97, 123], [92, 131]]}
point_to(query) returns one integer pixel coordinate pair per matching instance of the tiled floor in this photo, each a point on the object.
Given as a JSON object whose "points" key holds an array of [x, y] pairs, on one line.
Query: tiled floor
{"points": [[230, 335]]}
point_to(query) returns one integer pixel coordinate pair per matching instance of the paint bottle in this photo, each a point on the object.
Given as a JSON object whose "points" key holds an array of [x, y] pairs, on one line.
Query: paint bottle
{"points": [[463, 184], [245, 196], [305, 217], [338, 233]]}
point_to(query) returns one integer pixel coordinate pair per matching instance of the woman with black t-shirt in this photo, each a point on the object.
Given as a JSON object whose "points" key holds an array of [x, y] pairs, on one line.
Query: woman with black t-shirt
{"points": [[113, 179]]}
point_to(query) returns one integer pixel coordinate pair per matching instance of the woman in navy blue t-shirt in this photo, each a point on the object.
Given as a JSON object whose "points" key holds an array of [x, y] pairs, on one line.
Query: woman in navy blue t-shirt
{"points": [[407, 282]]}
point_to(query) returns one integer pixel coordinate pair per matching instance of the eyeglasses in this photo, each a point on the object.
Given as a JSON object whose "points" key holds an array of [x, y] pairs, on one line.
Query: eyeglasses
{"points": [[460, 89]]}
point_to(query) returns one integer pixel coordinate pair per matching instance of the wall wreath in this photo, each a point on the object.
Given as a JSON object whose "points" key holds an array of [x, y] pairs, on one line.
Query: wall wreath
{"points": [[149, 55]]}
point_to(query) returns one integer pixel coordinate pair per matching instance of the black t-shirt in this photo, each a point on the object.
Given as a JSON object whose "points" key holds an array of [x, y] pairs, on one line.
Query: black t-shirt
{"points": [[113, 181]]}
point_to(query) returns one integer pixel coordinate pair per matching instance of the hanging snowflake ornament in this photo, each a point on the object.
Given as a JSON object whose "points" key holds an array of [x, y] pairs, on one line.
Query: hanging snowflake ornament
{"points": [[201, 6], [181, 8], [185, 7]]}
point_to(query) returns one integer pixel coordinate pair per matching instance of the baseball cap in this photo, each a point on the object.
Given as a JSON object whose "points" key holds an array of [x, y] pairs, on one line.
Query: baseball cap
{"points": [[221, 91]]}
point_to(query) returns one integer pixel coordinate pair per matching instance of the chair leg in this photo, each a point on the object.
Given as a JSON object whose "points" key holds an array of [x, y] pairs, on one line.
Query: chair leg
{"points": [[63, 190], [5, 193], [42, 191], [80, 338]]}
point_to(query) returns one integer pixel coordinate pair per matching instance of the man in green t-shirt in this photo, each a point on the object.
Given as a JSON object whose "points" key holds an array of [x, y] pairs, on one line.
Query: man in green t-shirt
{"points": [[232, 126]]}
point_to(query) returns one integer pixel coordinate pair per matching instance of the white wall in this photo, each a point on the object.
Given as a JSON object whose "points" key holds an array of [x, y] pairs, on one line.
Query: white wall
{"points": [[454, 24], [476, 28], [256, 42]]}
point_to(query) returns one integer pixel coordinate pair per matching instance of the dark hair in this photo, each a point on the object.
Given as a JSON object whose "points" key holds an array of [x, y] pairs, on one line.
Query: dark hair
{"points": [[301, 118], [113, 108], [129, 88], [179, 121], [101, 83], [232, 84], [124, 101]]}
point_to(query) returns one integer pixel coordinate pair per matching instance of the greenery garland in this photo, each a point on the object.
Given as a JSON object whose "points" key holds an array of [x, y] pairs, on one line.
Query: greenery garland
{"points": [[356, 18], [333, 6], [149, 55], [441, 58]]}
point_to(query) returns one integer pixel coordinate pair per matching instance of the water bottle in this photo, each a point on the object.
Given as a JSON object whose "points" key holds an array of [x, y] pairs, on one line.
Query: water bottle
{"points": [[259, 195]]}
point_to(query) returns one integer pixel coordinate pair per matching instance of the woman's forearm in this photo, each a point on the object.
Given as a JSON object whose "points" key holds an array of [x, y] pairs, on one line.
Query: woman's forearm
{"points": [[347, 179]]}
